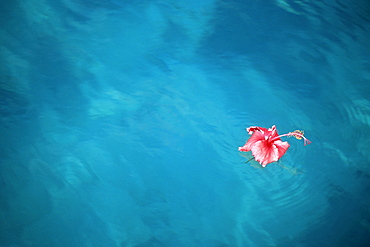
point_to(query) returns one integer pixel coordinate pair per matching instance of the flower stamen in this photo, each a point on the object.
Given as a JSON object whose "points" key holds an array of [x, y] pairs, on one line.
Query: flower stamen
{"points": [[298, 134]]}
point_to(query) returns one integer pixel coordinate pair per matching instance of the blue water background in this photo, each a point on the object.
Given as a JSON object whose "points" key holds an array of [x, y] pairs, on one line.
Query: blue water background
{"points": [[121, 122]]}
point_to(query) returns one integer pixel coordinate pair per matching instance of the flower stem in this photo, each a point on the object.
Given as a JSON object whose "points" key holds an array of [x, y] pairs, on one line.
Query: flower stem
{"points": [[249, 160]]}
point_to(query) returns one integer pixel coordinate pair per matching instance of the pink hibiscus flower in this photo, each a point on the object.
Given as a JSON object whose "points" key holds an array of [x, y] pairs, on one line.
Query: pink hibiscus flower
{"points": [[266, 145]]}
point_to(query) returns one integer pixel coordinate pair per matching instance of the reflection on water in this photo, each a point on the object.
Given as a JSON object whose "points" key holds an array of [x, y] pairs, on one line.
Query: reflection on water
{"points": [[120, 123]]}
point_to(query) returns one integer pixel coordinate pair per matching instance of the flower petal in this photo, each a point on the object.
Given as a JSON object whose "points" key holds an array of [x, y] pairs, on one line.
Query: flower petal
{"points": [[273, 132], [266, 152], [282, 147], [256, 128], [256, 136]]}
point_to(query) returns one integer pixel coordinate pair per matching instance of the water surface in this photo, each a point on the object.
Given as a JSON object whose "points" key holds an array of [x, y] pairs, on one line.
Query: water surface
{"points": [[121, 122]]}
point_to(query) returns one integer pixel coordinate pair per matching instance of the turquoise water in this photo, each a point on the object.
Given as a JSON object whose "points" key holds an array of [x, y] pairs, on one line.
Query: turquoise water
{"points": [[121, 122]]}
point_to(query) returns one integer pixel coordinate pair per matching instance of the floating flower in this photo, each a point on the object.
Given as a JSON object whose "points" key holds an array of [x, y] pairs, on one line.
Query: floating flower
{"points": [[266, 145]]}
